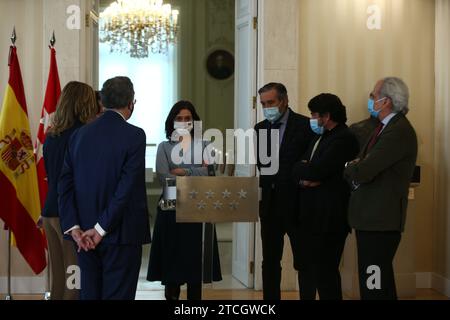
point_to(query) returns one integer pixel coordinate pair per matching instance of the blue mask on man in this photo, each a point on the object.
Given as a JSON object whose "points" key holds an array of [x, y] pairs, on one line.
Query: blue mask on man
{"points": [[315, 127], [371, 106], [272, 114]]}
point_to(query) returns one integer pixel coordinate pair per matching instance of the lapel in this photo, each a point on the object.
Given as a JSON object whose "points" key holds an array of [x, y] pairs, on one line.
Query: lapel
{"points": [[325, 140], [391, 123], [288, 131]]}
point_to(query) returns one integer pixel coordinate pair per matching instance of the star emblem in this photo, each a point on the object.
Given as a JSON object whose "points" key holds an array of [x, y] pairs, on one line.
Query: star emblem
{"points": [[210, 194], [226, 194], [193, 194], [242, 194], [201, 205], [234, 205], [217, 205]]}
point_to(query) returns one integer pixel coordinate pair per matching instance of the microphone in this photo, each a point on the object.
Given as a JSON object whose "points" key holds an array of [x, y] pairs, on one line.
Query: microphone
{"points": [[211, 170]]}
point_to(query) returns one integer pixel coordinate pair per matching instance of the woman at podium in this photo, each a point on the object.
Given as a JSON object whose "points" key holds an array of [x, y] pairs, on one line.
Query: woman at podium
{"points": [[176, 250]]}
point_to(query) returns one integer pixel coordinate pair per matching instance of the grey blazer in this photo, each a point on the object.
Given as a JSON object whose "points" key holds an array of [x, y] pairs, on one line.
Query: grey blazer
{"points": [[383, 176]]}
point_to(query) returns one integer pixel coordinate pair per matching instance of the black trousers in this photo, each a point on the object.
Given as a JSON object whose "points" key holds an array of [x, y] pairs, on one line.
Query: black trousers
{"points": [[274, 226], [376, 251], [194, 291], [320, 256]]}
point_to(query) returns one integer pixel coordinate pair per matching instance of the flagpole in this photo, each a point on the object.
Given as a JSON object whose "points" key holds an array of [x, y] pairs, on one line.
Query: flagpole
{"points": [[48, 294], [8, 290]]}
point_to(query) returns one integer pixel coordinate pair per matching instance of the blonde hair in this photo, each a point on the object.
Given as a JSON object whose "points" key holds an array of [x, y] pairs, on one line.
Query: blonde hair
{"points": [[77, 102]]}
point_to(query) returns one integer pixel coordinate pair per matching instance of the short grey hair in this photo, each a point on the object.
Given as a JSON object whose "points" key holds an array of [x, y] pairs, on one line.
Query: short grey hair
{"points": [[396, 90]]}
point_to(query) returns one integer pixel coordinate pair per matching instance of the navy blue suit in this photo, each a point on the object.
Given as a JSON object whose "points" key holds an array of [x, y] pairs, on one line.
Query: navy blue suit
{"points": [[103, 181]]}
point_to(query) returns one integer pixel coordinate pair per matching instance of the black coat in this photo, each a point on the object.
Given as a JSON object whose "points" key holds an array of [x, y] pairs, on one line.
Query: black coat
{"points": [[324, 208], [297, 137]]}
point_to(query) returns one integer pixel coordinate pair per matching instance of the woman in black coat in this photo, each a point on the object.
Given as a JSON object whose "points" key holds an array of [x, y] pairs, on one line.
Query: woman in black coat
{"points": [[324, 197], [176, 250]]}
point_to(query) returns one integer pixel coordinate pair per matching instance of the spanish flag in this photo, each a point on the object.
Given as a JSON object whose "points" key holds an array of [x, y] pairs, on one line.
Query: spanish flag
{"points": [[20, 205]]}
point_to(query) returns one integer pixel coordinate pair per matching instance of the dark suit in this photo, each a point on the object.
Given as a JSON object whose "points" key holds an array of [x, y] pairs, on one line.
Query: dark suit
{"points": [[103, 181], [323, 212], [377, 209], [279, 206]]}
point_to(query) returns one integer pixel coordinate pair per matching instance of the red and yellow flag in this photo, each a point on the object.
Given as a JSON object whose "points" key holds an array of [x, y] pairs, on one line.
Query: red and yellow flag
{"points": [[52, 94], [20, 205]]}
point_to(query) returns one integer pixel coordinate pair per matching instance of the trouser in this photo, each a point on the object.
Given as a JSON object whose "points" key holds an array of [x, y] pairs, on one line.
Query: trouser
{"points": [[110, 272], [62, 255], [320, 256], [194, 291], [376, 252], [274, 226]]}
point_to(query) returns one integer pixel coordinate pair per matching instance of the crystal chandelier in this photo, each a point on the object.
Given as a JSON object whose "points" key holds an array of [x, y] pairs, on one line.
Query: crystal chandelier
{"points": [[137, 27]]}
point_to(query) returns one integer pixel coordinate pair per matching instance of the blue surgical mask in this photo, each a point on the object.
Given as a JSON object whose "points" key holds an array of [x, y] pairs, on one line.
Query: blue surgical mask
{"points": [[315, 127], [272, 114], [371, 106]]}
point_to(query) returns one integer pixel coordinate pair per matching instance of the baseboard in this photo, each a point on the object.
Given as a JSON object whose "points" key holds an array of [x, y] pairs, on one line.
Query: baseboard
{"points": [[23, 285], [423, 280], [440, 284]]}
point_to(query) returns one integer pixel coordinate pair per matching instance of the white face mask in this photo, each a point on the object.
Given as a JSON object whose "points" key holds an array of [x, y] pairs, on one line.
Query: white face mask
{"points": [[183, 126]]}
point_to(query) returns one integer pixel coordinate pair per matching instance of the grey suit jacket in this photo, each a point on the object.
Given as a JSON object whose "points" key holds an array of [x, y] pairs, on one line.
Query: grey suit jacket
{"points": [[383, 176]]}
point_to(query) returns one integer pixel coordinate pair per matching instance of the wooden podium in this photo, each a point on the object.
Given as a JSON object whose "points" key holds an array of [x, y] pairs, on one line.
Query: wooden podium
{"points": [[217, 199], [210, 200]]}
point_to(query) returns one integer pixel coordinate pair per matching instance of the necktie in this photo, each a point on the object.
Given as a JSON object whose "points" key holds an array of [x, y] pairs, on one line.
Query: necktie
{"points": [[374, 137]]}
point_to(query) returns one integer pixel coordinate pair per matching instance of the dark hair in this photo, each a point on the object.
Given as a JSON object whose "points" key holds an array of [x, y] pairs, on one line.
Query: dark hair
{"points": [[176, 109], [329, 103], [278, 87], [117, 93]]}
